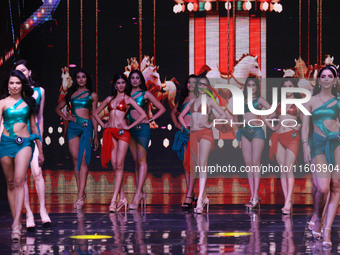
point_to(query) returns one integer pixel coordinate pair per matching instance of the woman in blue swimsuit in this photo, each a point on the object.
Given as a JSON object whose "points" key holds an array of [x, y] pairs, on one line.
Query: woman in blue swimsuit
{"points": [[182, 138], [325, 150], [39, 96], [140, 134], [80, 129], [252, 139], [17, 142]]}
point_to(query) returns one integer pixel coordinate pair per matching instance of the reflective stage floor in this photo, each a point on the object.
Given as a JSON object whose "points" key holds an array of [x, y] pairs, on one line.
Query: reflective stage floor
{"points": [[166, 229]]}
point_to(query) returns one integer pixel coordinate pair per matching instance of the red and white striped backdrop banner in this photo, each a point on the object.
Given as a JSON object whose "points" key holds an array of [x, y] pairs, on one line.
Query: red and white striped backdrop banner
{"points": [[208, 41]]}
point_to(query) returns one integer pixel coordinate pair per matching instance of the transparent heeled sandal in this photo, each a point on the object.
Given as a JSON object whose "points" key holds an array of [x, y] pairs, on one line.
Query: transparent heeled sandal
{"points": [[200, 206], [115, 207], [327, 244], [30, 225], [16, 233], [317, 235], [141, 200]]}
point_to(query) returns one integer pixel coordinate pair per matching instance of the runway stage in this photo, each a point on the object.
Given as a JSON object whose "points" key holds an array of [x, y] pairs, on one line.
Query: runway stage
{"points": [[166, 229]]}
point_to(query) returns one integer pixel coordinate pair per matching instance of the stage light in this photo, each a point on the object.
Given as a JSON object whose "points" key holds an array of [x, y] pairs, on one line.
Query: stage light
{"points": [[227, 5], [220, 143], [190, 7], [195, 7], [149, 144], [169, 126], [279, 8], [73, 65], [179, 8], [48, 140], [50, 130], [166, 142], [61, 141], [42, 11], [207, 6], [276, 6], [264, 6], [27, 25], [247, 5], [174, 9]]}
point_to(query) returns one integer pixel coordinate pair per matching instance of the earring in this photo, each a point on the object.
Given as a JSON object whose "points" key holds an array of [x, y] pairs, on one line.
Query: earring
{"points": [[9, 91]]}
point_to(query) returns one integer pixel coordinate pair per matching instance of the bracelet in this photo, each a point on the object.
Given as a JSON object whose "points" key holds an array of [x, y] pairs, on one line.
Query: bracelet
{"points": [[151, 120], [304, 141]]}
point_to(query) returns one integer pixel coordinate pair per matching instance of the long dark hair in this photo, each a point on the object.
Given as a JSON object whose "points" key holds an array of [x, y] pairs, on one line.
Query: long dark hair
{"points": [[75, 85], [142, 81], [184, 91], [24, 62], [257, 83], [317, 87], [196, 90], [26, 91], [116, 77], [294, 81]]}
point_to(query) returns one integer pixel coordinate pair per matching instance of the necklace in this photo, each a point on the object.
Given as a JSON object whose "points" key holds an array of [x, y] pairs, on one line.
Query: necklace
{"points": [[324, 101]]}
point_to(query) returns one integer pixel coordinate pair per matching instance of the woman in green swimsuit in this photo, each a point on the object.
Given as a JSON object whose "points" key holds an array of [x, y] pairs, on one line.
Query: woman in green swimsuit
{"points": [[17, 143], [325, 150], [80, 129]]}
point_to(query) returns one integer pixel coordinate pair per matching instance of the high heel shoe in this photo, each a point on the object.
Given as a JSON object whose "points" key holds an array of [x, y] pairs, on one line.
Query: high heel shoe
{"points": [[317, 235], [113, 207], [16, 233], [141, 198], [287, 211], [326, 244], [116, 207], [255, 204], [249, 203], [311, 223], [200, 206], [30, 225], [188, 206], [45, 219], [79, 203]]}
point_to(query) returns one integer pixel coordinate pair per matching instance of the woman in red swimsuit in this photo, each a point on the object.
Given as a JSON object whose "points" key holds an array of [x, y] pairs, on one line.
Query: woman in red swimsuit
{"points": [[201, 141], [116, 137], [285, 144]]}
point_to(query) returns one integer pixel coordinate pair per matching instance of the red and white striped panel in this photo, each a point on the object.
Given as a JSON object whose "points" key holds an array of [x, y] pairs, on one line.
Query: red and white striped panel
{"points": [[210, 42]]}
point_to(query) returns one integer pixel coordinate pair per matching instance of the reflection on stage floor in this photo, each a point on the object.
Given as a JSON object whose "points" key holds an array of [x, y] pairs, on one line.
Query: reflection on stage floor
{"points": [[167, 229]]}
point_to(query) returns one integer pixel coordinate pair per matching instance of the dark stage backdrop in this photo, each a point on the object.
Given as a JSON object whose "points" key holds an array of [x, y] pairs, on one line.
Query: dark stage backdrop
{"points": [[45, 48]]}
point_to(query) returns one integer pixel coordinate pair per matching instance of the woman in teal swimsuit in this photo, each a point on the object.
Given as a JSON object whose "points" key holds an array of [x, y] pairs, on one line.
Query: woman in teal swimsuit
{"points": [[252, 139], [325, 150], [17, 142], [80, 128], [116, 136], [182, 138], [140, 134], [39, 96]]}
